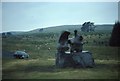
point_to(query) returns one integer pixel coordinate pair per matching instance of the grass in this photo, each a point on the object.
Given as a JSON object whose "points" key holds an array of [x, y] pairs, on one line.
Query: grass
{"points": [[41, 64], [45, 69]]}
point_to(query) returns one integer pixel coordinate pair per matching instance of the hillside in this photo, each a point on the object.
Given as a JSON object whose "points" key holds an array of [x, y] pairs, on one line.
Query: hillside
{"points": [[104, 27], [71, 27], [58, 29]]}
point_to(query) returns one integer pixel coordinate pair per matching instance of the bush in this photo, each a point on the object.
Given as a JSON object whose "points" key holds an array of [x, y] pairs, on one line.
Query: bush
{"points": [[115, 37]]}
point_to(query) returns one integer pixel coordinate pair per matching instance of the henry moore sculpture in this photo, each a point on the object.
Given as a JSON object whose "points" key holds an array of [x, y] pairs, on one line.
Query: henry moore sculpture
{"points": [[70, 52]]}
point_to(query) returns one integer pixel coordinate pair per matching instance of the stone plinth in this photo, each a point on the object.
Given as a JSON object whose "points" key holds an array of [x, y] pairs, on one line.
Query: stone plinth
{"points": [[81, 59]]}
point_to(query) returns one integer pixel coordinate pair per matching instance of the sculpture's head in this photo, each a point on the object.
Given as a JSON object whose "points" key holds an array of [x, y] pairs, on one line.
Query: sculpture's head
{"points": [[64, 37], [63, 44]]}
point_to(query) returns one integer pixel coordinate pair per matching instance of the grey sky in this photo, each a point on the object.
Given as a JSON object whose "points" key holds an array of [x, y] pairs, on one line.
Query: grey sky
{"points": [[31, 15]]}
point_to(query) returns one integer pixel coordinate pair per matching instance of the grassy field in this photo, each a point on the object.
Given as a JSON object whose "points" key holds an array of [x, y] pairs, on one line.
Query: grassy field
{"points": [[41, 65]]}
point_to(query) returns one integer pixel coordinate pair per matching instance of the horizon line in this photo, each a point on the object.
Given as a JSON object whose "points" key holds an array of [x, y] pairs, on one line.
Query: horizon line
{"points": [[48, 27]]}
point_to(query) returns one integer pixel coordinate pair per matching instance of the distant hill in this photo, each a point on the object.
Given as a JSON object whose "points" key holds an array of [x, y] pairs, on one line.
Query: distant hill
{"points": [[104, 27], [71, 28], [58, 29], [14, 32]]}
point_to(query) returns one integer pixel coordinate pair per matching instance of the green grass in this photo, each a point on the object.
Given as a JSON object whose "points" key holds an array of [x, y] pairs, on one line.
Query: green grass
{"points": [[45, 69], [41, 64]]}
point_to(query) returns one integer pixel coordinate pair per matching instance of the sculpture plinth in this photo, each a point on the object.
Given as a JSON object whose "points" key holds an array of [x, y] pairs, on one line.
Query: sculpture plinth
{"points": [[80, 60]]}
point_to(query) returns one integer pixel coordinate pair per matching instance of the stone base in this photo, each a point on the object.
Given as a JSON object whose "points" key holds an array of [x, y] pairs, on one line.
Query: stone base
{"points": [[81, 59]]}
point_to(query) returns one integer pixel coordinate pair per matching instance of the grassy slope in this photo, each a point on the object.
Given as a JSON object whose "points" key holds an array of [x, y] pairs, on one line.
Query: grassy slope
{"points": [[41, 64], [73, 27]]}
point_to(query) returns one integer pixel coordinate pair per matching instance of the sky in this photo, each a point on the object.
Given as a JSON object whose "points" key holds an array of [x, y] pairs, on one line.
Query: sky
{"points": [[26, 16]]}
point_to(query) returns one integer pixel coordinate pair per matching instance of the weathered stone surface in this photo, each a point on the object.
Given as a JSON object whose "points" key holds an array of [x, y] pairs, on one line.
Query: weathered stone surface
{"points": [[82, 60]]}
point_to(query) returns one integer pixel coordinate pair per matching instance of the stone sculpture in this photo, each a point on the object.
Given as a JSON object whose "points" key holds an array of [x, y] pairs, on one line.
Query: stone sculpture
{"points": [[76, 57]]}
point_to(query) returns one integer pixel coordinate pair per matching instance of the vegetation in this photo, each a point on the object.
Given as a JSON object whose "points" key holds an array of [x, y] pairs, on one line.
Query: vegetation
{"points": [[115, 38], [42, 48], [88, 27]]}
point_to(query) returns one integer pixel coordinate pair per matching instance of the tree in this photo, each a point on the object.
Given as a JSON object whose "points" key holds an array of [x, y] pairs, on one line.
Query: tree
{"points": [[9, 33], [41, 30], [3, 34], [115, 36], [88, 27]]}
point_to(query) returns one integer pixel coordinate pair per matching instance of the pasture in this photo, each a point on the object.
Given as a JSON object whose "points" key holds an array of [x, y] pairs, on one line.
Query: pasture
{"points": [[42, 48]]}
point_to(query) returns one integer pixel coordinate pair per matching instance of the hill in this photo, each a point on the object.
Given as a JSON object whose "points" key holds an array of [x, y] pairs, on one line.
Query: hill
{"points": [[104, 27], [56, 29]]}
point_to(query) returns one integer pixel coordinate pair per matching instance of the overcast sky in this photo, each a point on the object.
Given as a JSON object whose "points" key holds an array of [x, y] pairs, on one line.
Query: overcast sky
{"points": [[18, 16]]}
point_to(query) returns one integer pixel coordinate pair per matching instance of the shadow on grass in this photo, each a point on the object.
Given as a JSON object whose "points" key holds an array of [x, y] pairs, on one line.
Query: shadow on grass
{"points": [[17, 72], [11, 72], [52, 68], [45, 68], [111, 67]]}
